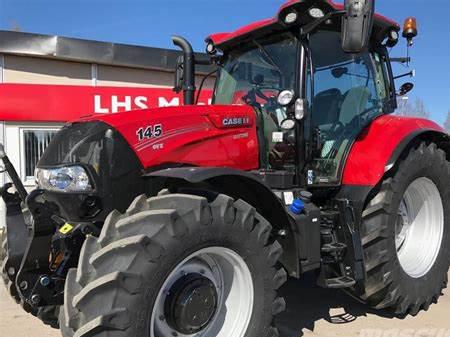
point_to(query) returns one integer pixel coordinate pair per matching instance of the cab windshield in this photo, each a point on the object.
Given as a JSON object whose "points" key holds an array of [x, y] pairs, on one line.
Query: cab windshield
{"points": [[258, 71], [254, 75]]}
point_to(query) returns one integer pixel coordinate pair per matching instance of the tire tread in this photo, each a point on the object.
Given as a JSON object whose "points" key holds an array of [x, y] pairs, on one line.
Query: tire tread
{"points": [[169, 216], [381, 290]]}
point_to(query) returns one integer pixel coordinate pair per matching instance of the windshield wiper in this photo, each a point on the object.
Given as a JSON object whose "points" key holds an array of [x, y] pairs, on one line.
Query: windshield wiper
{"points": [[268, 57]]}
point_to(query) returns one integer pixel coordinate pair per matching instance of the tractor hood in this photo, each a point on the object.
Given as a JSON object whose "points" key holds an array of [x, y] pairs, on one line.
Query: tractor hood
{"points": [[218, 136], [116, 150]]}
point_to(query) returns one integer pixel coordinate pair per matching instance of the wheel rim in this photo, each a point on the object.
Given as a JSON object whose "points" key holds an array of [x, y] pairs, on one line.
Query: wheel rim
{"points": [[232, 280], [420, 227]]}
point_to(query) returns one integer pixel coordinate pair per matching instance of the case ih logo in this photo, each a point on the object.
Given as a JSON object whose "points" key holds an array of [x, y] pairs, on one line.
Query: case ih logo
{"points": [[236, 121]]}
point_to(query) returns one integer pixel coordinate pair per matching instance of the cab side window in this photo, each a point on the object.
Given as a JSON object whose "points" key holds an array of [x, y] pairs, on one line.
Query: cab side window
{"points": [[347, 91], [381, 78]]}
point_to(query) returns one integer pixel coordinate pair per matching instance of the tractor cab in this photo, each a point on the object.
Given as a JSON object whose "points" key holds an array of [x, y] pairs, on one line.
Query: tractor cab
{"points": [[316, 76]]}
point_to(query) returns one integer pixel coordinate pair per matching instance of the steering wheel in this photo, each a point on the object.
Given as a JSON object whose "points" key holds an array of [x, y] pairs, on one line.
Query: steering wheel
{"points": [[258, 91], [251, 98]]}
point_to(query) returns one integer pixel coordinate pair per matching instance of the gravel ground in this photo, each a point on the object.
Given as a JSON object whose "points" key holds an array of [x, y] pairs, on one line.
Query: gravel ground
{"points": [[311, 311]]}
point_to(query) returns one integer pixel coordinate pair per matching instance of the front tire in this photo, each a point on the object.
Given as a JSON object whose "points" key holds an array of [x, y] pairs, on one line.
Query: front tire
{"points": [[406, 234], [168, 257]]}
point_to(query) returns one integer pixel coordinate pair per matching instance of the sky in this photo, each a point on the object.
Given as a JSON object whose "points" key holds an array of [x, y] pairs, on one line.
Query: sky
{"points": [[152, 22]]}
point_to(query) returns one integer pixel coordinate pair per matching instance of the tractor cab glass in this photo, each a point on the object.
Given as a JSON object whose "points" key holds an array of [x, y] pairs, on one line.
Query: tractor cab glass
{"points": [[348, 92], [256, 74]]}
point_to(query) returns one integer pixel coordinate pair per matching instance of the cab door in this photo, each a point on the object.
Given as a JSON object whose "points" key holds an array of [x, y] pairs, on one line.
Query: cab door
{"points": [[347, 93]]}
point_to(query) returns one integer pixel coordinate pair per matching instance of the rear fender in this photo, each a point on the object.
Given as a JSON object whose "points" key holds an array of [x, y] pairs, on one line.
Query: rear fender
{"points": [[360, 194], [242, 185], [442, 140], [382, 144]]}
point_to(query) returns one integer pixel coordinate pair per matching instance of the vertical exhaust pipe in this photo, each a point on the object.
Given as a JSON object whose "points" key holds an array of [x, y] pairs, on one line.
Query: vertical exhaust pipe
{"points": [[188, 69]]}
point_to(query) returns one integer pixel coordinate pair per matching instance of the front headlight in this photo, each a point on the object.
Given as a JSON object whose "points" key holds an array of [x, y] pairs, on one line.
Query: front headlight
{"points": [[64, 179]]}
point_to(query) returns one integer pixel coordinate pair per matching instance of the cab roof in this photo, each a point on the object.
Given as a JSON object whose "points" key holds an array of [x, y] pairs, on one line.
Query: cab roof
{"points": [[382, 25]]}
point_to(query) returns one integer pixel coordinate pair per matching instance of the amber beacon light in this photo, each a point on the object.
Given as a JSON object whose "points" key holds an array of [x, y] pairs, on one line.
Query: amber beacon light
{"points": [[410, 29]]}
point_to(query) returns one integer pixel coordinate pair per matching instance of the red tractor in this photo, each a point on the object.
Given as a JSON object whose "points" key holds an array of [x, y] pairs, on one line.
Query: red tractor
{"points": [[185, 221]]}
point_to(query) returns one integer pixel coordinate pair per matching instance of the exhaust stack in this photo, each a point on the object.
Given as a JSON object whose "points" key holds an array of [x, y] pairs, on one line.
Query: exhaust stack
{"points": [[188, 84]]}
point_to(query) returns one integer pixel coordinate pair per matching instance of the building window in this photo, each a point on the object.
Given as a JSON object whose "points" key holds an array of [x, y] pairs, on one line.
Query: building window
{"points": [[35, 142]]}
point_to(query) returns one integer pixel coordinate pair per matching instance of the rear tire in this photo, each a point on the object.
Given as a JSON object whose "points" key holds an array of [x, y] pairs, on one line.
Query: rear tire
{"points": [[405, 234], [147, 253]]}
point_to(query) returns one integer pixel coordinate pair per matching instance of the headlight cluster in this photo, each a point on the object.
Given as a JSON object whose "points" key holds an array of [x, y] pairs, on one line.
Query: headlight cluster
{"points": [[64, 179]]}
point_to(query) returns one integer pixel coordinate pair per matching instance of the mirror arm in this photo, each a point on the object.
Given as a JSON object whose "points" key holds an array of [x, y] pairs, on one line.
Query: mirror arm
{"points": [[410, 74], [401, 59]]}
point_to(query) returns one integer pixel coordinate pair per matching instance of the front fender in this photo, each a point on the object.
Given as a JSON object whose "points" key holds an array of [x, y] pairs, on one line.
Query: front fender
{"points": [[243, 185], [379, 146]]}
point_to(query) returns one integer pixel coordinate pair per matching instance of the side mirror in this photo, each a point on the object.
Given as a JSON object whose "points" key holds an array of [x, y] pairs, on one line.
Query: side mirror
{"points": [[405, 88], [357, 25]]}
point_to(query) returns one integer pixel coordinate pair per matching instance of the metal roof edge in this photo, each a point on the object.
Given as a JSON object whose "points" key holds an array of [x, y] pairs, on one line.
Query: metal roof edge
{"points": [[90, 51]]}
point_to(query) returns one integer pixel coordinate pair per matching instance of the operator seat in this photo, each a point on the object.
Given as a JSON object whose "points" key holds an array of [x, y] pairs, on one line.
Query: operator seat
{"points": [[326, 108], [354, 104]]}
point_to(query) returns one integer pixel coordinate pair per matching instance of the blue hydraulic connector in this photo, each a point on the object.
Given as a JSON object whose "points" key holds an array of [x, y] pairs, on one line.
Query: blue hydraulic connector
{"points": [[297, 206]]}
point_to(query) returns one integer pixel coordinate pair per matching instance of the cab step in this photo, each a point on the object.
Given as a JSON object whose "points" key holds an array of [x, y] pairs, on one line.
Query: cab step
{"points": [[339, 282]]}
